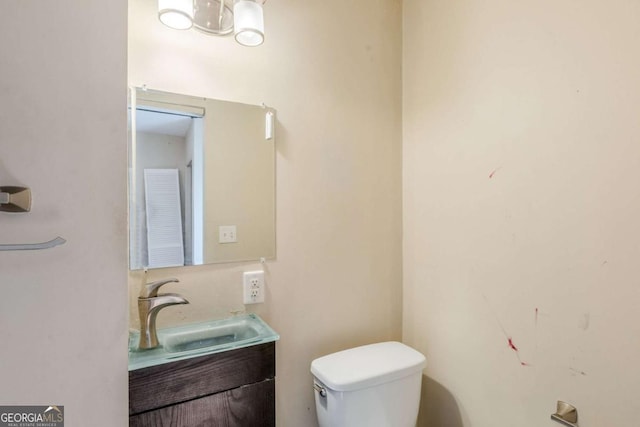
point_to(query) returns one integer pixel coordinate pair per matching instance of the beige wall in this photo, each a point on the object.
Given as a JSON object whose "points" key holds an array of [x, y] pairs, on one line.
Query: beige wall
{"points": [[63, 315], [335, 82], [521, 207]]}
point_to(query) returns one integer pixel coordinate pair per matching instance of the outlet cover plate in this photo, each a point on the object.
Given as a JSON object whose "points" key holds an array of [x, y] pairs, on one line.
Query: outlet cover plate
{"points": [[253, 286]]}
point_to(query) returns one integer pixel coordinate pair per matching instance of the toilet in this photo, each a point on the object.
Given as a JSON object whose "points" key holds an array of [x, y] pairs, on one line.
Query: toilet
{"points": [[376, 385]]}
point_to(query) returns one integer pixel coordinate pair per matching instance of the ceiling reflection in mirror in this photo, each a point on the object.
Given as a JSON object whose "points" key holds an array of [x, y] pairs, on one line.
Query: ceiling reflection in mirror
{"points": [[201, 181]]}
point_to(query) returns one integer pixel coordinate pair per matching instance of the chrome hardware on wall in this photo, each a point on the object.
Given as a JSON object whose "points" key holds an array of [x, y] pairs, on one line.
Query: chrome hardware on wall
{"points": [[566, 414], [15, 199], [33, 246], [18, 199]]}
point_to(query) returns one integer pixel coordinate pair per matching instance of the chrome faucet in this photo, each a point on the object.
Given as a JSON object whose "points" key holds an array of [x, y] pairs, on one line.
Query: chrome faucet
{"points": [[149, 304]]}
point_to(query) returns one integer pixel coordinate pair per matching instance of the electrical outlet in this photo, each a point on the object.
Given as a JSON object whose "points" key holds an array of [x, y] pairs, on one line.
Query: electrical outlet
{"points": [[253, 284]]}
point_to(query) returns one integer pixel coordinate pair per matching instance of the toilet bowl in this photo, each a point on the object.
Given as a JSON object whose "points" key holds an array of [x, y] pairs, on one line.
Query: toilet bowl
{"points": [[376, 385]]}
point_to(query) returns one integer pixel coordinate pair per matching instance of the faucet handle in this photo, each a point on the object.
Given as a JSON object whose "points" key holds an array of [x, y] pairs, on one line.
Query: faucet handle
{"points": [[150, 290]]}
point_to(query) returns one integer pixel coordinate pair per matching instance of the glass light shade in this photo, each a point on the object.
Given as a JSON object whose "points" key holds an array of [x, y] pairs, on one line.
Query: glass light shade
{"points": [[248, 23], [176, 14]]}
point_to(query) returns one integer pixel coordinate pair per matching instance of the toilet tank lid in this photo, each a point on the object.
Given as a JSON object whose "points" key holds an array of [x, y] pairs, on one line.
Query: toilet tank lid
{"points": [[367, 366]]}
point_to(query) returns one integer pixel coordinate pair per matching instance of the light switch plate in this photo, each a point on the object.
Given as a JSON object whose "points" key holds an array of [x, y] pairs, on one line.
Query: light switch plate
{"points": [[227, 234]]}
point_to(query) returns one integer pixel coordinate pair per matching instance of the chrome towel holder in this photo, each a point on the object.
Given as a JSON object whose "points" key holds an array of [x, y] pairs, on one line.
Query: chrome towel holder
{"points": [[32, 246], [18, 200], [566, 414], [15, 199]]}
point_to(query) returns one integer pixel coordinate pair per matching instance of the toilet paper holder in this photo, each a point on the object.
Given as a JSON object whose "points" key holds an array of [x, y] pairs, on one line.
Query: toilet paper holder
{"points": [[566, 414]]}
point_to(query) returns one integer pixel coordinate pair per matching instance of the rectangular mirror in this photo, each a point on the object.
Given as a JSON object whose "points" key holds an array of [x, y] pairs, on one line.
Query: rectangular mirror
{"points": [[201, 181]]}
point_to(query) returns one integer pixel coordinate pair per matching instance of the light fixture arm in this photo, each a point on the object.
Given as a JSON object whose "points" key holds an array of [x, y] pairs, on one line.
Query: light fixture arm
{"points": [[220, 13]]}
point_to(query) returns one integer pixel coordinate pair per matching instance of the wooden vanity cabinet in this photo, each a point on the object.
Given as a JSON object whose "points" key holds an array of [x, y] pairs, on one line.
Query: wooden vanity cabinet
{"points": [[234, 388]]}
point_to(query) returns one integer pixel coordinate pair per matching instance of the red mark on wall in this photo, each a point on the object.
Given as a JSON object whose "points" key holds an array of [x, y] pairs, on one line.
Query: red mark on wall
{"points": [[512, 346], [492, 174]]}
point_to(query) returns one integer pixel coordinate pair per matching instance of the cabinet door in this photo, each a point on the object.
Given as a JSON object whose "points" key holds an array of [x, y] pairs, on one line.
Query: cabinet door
{"points": [[185, 380], [252, 405]]}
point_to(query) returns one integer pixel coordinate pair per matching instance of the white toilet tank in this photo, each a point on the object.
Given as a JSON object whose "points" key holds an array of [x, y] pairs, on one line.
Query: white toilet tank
{"points": [[375, 385]]}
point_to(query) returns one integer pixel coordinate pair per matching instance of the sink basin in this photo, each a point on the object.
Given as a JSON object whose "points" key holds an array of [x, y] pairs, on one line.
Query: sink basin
{"points": [[204, 336], [183, 342]]}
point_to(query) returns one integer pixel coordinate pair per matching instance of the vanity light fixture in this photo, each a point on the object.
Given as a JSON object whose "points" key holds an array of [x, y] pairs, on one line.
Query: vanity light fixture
{"points": [[248, 22], [243, 18], [176, 14]]}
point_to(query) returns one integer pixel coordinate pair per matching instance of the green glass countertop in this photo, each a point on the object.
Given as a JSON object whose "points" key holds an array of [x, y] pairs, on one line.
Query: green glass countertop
{"points": [[199, 339]]}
